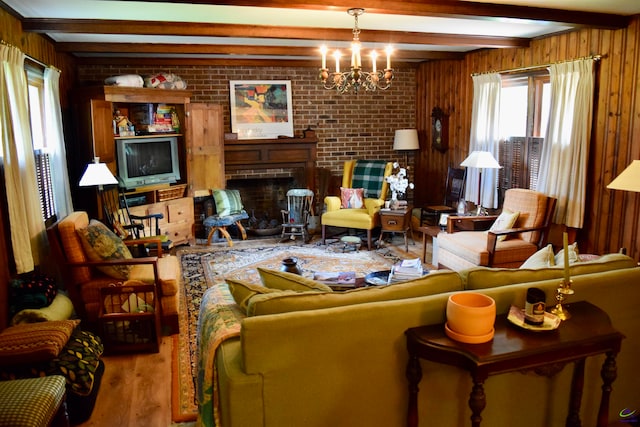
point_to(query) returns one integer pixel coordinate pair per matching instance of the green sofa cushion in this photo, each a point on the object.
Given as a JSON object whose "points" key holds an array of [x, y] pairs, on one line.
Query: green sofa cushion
{"points": [[435, 282], [285, 281], [485, 277], [242, 291]]}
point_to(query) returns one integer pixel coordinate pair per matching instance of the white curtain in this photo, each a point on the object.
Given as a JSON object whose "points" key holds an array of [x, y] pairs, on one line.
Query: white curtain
{"points": [[563, 164], [484, 136], [54, 138], [25, 217]]}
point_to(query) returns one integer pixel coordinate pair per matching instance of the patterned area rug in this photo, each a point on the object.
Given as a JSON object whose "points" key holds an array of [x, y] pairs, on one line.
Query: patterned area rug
{"points": [[206, 267]]}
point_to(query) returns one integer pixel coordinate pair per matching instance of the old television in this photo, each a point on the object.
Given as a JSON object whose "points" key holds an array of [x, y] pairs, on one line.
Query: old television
{"points": [[147, 161]]}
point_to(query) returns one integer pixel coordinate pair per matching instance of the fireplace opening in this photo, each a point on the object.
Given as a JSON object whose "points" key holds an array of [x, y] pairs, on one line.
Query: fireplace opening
{"points": [[264, 198]]}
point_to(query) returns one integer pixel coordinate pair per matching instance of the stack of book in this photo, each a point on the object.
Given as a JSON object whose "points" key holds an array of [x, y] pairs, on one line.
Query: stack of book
{"points": [[406, 270]]}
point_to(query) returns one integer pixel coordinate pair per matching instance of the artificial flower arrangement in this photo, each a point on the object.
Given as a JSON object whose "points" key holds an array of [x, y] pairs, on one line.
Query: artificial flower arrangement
{"points": [[398, 181]]}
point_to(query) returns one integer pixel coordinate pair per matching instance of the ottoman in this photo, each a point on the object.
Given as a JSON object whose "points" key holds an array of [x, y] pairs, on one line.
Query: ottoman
{"points": [[33, 402]]}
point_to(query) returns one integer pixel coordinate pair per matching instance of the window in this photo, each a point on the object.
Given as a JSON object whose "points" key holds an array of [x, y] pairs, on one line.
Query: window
{"points": [[35, 79], [524, 115]]}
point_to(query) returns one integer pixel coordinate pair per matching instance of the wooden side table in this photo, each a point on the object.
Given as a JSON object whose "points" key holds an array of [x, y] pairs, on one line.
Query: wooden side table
{"points": [[396, 221], [432, 231], [587, 333]]}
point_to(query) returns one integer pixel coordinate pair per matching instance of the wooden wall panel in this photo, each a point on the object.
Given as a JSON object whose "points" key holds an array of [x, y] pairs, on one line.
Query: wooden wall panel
{"points": [[611, 217]]}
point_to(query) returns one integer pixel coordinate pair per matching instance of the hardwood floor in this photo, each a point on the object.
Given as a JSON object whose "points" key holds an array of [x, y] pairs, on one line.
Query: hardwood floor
{"points": [[136, 388]]}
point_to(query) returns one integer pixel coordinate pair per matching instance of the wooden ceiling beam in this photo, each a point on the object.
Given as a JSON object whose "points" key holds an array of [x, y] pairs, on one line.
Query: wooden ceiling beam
{"points": [[169, 48], [440, 8], [209, 62], [90, 26]]}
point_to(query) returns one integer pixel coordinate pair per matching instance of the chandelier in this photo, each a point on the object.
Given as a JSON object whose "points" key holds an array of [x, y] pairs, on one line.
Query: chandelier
{"points": [[356, 78]]}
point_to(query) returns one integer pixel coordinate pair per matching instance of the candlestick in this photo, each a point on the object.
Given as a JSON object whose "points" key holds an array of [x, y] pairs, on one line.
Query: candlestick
{"points": [[337, 56], [374, 57], [565, 287], [389, 49], [565, 245], [323, 51]]}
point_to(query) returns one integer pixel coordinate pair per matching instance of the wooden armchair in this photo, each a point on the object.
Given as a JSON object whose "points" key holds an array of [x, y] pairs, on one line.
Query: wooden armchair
{"points": [[83, 279], [458, 250]]}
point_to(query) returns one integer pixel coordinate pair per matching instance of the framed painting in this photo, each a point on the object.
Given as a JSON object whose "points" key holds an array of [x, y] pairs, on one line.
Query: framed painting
{"points": [[261, 109]]}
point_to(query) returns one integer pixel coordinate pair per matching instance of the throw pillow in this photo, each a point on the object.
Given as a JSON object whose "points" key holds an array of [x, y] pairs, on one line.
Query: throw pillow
{"points": [[102, 244], [34, 342], [243, 291], [284, 281], [351, 198], [504, 222], [228, 202], [572, 249], [78, 361], [541, 259]]}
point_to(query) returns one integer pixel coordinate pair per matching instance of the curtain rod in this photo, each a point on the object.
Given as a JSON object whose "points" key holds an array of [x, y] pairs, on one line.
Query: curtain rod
{"points": [[42, 64], [539, 67]]}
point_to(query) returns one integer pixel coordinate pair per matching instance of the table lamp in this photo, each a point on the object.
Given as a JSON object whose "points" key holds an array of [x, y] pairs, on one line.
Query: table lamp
{"points": [[98, 174], [480, 160]]}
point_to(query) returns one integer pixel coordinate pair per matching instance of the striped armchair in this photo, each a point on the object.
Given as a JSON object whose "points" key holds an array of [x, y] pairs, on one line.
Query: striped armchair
{"points": [[458, 250], [370, 176]]}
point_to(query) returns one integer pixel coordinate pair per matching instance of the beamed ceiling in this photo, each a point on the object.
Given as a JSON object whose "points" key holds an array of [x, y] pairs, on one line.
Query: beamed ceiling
{"points": [[289, 33]]}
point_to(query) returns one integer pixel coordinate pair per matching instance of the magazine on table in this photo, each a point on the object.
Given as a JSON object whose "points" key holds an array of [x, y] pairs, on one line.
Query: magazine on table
{"points": [[339, 278], [406, 270]]}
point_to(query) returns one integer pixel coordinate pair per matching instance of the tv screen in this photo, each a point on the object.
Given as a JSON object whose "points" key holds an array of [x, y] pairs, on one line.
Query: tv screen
{"points": [[147, 161]]}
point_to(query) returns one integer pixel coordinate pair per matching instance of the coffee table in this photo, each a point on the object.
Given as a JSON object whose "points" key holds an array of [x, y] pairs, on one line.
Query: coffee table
{"points": [[381, 278]]}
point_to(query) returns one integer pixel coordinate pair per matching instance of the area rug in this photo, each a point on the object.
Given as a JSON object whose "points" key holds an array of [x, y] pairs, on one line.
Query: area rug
{"points": [[206, 267]]}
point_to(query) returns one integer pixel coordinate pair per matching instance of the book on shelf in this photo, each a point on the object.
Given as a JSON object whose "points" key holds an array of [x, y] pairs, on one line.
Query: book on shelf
{"points": [[335, 278], [406, 270]]}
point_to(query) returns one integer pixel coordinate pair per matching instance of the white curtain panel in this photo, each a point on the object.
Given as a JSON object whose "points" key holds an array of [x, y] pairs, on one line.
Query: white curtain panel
{"points": [[563, 164], [25, 217], [484, 136], [54, 137]]}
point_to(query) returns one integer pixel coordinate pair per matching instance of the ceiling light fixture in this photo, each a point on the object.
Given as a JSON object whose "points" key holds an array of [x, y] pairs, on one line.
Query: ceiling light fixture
{"points": [[355, 78]]}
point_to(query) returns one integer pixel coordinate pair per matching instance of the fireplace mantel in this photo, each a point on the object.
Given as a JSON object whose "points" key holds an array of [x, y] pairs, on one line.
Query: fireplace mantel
{"points": [[259, 154]]}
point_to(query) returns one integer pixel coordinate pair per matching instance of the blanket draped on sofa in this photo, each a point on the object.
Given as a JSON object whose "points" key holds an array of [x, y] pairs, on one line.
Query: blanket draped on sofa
{"points": [[219, 320]]}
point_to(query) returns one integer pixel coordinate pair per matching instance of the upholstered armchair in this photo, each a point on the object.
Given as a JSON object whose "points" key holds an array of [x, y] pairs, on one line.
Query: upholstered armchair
{"points": [[86, 270], [363, 214], [503, 245]]}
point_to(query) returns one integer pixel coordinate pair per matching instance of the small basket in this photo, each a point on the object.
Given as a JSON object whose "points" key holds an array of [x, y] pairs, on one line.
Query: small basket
{"points": [[173, 192]]}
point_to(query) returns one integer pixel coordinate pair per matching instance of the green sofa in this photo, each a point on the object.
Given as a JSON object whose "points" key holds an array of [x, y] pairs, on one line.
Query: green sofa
{"points": [[345, 365]]}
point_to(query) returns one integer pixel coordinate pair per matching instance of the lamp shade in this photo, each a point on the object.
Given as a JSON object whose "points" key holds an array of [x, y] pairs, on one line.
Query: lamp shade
{"points": [[481, 160], [629, 179], [97, 174], [406, 139]]}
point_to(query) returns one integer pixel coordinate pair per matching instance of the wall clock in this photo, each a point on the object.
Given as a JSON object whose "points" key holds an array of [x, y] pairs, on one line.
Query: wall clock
{"points": [[439, 130]]}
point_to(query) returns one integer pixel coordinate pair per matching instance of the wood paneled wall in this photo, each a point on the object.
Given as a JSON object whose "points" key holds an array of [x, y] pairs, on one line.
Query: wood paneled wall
{"points": [[39, 48], [611, 217]]}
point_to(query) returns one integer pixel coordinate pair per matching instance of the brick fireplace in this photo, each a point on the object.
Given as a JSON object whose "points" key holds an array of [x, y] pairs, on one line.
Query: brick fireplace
{"points": [[263, 170]]}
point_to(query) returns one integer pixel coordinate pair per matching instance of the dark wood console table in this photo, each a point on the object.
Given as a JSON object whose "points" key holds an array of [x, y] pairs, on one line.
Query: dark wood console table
{"points": [[588, 332]]}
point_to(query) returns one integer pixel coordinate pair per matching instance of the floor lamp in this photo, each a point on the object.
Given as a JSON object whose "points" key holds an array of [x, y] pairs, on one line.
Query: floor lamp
{"points": [[480, 160], [628, 180], [98, 174], [406, 140]]}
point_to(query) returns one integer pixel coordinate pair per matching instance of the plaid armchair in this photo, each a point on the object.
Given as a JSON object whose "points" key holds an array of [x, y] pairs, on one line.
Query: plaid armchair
{"points": [[370, 176]]}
